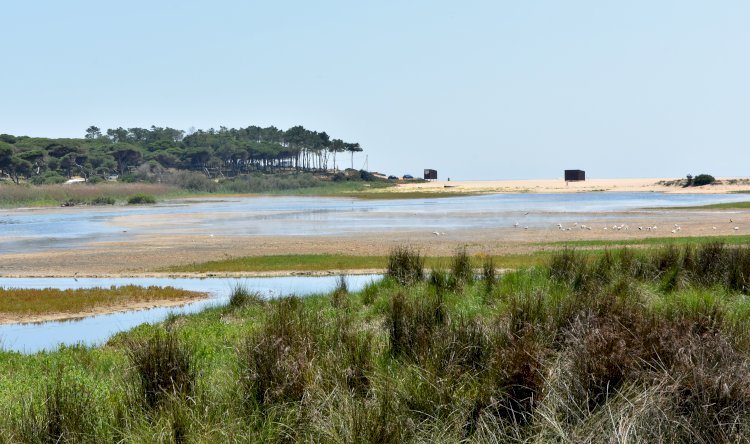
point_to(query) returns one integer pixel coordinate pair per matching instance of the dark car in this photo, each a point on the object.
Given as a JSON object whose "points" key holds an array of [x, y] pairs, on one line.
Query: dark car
{"points": [[392, 178], [408, 176]]}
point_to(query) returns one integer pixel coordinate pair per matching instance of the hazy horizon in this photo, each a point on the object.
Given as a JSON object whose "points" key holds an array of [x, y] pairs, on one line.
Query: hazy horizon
{"points": [[479, 91]]}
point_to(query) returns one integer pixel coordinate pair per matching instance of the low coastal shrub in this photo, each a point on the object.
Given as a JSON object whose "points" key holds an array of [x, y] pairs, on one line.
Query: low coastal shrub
{"points": [[703, 179], [141, 199], [103, 200]]}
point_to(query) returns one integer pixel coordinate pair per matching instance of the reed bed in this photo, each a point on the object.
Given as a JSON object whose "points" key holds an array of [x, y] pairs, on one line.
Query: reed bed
{"points": [[12, 195], [35, 302], [625, 346]]}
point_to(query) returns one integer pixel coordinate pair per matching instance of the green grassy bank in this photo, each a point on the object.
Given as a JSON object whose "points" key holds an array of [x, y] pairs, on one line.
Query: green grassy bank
{"points": [[627, 346], [327, 262]]}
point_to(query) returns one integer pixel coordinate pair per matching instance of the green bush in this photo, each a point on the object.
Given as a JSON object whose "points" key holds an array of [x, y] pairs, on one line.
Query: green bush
{"points": [[141, 199], [703, 179], [46, 178]]}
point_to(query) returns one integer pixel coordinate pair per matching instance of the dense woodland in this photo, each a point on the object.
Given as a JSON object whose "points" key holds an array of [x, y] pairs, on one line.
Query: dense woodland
{"points": [[141, 153]]}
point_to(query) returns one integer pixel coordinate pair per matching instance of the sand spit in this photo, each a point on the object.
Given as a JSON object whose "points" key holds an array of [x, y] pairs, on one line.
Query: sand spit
{"points": [[560, 186]]}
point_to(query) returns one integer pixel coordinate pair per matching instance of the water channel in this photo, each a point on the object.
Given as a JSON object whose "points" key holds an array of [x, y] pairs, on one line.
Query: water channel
{"points": [[94, 330]]}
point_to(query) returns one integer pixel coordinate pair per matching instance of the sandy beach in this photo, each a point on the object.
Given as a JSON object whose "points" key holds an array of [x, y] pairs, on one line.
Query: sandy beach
{"points": [[655, 185]]}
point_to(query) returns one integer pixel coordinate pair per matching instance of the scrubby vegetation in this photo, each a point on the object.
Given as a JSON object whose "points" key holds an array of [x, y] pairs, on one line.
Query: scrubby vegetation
{"points": [[622, 346], [141, 199]]}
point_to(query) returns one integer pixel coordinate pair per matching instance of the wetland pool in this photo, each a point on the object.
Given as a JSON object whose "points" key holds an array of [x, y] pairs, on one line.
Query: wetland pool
{"points": [[95, 330]]}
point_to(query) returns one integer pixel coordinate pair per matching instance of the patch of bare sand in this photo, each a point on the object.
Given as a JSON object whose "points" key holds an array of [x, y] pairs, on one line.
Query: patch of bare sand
{"points": [[8, 318], [146, 255], [560, 186]]}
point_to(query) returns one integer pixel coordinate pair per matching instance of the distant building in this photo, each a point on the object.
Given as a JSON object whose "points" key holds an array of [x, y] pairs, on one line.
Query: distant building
{"points": [[574, 175], [430, 174]]}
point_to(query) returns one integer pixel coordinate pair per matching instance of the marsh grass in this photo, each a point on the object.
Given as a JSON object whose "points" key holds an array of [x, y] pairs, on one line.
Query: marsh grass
{"points": [[240, 296], [274, 362], [405, 265], [163, 366], [99, 194], [37, 302], [62, 416], [586, 348]]}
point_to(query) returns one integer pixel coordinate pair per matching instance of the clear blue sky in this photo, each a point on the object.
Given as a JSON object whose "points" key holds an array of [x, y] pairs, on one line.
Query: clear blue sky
{"points": [[474, 89]]}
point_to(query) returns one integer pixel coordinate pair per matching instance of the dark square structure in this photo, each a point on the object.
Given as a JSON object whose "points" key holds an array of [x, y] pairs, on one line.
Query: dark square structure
{"points": [[574, 175], [430, 174]]}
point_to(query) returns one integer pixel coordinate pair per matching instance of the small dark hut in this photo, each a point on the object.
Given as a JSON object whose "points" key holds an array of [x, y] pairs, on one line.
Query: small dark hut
{"points": [[574, 175], [430, 174]]}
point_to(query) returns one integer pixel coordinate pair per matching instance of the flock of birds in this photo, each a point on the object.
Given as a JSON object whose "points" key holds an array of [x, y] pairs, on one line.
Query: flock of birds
{"points": [[676, 229]]}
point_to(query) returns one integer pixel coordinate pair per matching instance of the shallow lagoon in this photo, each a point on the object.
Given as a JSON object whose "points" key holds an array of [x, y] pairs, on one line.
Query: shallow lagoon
{"points": [[48, 229], [94, 330]]}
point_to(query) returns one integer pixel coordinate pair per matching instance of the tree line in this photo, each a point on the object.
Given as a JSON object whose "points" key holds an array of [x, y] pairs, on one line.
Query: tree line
{"points": [[119, 151]]}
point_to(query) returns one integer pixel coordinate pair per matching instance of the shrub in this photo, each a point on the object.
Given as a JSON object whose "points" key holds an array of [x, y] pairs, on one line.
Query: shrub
{"points": [[405, 265], [703, 179], [103, 200], [47, 178], [141, 199], [191, 180]]}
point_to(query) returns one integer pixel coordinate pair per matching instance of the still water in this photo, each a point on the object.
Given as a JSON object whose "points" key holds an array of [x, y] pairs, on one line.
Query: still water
{"points": [[94, 330], [48, 229]]}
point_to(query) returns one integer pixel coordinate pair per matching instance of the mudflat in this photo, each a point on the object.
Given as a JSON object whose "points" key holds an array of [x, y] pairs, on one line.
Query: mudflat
{"points": [[149, 255], [147, 244]]}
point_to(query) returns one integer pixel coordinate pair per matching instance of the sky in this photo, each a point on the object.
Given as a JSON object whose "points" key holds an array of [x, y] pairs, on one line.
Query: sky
{"points": [[475, 89]]}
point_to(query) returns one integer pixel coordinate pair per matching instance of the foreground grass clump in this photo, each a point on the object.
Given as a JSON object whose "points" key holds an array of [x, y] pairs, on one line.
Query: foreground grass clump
{"points": [[405, 265], [622, 346], [20, 303]]}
